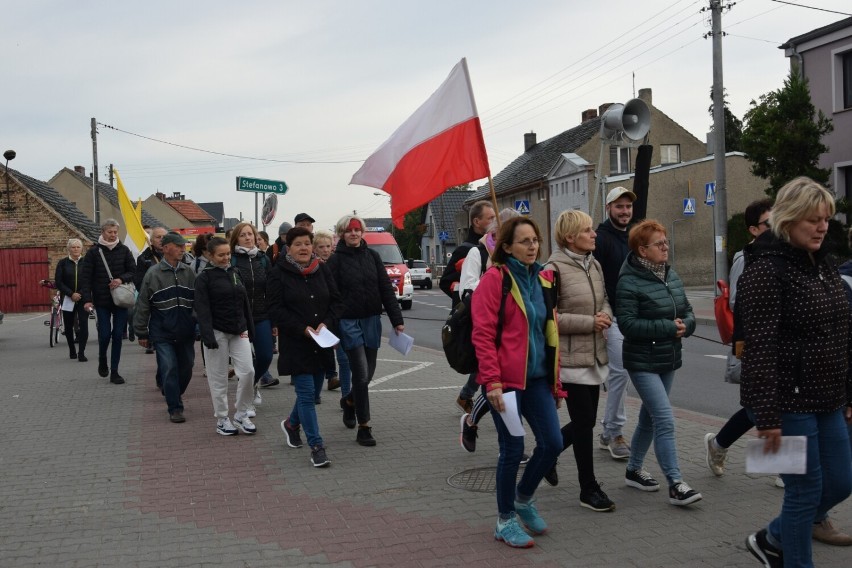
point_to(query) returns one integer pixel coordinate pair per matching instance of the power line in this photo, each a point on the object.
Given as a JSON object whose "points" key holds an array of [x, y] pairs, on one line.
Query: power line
{"points": [[812, 8], [755, 39], [226, 154]]}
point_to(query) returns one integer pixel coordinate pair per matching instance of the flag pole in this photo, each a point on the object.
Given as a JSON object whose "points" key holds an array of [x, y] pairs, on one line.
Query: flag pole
{"points": [[494, 198]]}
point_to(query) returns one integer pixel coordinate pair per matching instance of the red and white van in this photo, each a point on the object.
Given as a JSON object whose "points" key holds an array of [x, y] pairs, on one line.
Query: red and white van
{"points": [[383, 243]]}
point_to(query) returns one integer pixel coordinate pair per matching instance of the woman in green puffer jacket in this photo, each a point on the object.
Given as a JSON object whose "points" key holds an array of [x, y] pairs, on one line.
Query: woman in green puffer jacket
{"points": [[653, 314]]}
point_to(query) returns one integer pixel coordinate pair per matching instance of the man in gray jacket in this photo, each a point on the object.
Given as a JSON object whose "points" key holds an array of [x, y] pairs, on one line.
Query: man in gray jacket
{"points": [[164, 318]]}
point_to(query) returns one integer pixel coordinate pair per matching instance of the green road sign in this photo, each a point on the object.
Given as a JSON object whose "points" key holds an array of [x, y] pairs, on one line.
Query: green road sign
{"points": [[261, 185]]}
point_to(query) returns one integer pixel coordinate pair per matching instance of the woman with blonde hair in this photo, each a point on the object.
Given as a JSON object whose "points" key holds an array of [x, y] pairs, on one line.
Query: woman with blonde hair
{"points": [[795, 365], [323, 248], [68, 282], [583, 316]]}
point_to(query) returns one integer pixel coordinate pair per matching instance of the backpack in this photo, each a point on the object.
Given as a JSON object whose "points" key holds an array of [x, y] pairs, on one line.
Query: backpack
{"points": [[456, 335], [724, 314]]}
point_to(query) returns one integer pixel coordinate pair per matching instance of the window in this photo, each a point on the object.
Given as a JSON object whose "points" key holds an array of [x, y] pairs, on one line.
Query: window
{"points": [[847, 79], [619, 160], [669, 154]]}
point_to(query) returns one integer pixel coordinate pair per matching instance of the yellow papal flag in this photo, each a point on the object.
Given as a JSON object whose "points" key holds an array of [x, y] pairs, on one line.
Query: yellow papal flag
{"points": [[136, 239]]}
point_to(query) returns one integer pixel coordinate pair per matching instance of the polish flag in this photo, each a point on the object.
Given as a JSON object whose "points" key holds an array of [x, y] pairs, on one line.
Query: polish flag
{"points": [[438, 147]]}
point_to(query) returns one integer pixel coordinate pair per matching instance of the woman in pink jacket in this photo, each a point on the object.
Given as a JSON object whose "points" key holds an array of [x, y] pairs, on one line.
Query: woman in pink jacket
{"points": [[516, 343]]}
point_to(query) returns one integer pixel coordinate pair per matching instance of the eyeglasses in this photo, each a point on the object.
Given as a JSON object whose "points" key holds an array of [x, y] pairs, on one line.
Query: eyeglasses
{"points": [[663, 244], [764, 223], [528, 243]]}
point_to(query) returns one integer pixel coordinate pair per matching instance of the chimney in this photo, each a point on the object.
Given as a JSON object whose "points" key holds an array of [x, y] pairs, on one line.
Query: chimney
{"points": [[588, 114], [80, 170], [161, 196], [529, 141], [645, 96], [603, 107]]}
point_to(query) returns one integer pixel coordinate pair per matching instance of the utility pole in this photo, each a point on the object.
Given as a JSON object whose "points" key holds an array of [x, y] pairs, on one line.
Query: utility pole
{"points": [[720, 223], [111, 177], [95, 200]]}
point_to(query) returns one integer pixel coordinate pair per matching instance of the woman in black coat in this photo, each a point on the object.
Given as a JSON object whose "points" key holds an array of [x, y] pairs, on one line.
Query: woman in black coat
{"points": [[112, 320], [302, 300], [68, 282], [363, 282]]}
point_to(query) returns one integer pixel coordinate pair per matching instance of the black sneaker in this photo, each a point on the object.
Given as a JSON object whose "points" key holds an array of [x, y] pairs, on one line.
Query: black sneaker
{"points": [[525, 458], [596, 500], [81, 357], [348, 413], [551, 477], [365, 436], [294, 438], [759, 546], [318, 457], [103, 370], [468, 434], [682, 494], [116, 379], [641, 480], [318, 400]]}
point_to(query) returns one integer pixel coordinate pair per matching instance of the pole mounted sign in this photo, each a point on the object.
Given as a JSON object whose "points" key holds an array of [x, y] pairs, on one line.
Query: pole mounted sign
{"points": [[261, 185], [710, 193]]}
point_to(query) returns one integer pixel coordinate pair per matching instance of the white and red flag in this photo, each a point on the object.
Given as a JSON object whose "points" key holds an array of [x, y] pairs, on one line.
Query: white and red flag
{"points": [[438, 147]]}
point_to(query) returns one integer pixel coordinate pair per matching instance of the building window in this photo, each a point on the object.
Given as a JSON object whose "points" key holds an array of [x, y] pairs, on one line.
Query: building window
{"points": [[619, 160], [669, 154], [847, 79]]}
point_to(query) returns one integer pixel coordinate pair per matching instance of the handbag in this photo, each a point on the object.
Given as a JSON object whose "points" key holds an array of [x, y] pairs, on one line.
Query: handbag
{"points": [[123, 295]]}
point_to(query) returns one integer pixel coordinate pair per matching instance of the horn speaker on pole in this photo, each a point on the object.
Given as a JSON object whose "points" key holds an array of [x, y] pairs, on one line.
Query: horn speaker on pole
{"points": [[633, 119]]}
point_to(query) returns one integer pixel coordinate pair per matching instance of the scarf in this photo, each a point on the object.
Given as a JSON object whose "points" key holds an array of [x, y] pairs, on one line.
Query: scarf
{"points": [[584, 260], [252, 252], [658, 270], [110, 246], [312, 266]]}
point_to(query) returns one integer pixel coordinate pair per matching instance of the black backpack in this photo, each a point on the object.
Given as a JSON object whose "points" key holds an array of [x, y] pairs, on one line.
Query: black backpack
{"points": [[457, 332]]}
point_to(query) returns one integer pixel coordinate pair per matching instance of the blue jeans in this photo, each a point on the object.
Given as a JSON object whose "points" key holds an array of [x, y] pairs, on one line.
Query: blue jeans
{"points": [[305, 411], [539, 409], [615, 415], [111, 324], [827, 482], [174, 365], [262, 348], [344, 371], [656, 423]]}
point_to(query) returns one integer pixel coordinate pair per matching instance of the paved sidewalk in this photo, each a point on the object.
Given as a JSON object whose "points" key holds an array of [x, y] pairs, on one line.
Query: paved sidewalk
{"points": [[95, 475]]}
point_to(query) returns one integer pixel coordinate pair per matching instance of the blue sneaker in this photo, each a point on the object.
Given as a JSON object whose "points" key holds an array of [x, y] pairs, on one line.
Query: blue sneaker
{"points": [[510, 532], [530, 517]]}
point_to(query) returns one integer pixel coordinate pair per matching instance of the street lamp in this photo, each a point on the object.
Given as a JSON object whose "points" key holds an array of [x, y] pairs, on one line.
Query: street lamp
{"points": [[382, 194], [9, 155]]}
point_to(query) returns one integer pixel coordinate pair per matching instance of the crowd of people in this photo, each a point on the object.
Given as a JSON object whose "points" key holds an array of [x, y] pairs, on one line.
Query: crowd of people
{"points": [[606, 310]]}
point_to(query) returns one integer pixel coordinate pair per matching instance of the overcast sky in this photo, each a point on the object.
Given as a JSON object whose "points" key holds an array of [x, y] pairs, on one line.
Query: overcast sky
{"points": [[327, 82]]}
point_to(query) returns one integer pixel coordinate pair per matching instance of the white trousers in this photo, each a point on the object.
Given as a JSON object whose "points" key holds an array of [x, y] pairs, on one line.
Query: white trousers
{"points": [[238, 348]]}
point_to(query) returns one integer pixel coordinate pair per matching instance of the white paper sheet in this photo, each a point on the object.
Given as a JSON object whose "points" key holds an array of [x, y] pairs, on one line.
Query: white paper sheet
{"points": [[401, 342], [325, 338], [792, 457], [67, 304], [512, 416]]}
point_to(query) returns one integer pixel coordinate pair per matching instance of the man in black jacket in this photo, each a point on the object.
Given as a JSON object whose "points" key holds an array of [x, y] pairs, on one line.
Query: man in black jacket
{"points": [[481, 216], [610, 251]]}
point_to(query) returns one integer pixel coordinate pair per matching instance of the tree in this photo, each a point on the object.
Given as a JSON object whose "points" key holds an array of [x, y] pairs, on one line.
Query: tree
{"points": [[783, 134], [733, 125], [408, 238]]}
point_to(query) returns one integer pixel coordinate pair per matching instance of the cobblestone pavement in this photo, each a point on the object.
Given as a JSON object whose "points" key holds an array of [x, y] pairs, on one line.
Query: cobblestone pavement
{"points": [[94, 474]]}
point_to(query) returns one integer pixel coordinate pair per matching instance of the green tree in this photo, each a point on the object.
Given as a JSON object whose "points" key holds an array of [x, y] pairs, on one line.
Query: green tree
{"points": [[733, 125], [783, 135], [408, 237]]}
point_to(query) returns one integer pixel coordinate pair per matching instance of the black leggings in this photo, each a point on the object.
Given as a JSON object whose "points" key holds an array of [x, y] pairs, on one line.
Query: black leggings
{"points": [[83, 333], [362, 360], [582, 403], [734, 428]]}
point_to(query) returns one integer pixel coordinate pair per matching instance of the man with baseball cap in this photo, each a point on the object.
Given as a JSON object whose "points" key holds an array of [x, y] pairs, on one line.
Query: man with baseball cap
{"points": [[610, 251], [304, 220], [164, 318]]}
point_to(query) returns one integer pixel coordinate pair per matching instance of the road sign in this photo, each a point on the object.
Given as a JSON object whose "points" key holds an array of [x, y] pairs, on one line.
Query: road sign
{"points": [[443, 236], [261, 185], [689, 206], [710, 193], [522, 207]]}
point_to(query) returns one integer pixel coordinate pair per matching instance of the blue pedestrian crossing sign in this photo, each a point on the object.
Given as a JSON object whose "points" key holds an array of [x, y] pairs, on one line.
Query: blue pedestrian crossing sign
{"points": [[443, 236], [522, 207], [689, 206], [710, 193]]}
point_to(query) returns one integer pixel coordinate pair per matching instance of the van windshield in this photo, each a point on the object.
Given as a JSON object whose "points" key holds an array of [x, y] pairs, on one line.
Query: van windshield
{"points": [[390, 253]]}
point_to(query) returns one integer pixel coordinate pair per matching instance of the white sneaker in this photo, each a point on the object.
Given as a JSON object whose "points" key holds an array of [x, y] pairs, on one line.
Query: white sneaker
{"points": [[258, 400], [244, 423], [251, 412], [225, 427]]}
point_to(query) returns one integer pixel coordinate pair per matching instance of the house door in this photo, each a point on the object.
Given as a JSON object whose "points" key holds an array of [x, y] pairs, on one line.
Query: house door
{"points": [[20, 271]]}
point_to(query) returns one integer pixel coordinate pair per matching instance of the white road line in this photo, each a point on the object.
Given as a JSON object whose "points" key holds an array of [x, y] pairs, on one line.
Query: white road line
{"points": [[717, 356], [45, 315], [415, 368], [416, 389]]}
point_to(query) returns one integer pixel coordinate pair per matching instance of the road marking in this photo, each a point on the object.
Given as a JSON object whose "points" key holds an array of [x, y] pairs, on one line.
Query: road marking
{"points": [[417, 389], [717, 356], [417, 367]]}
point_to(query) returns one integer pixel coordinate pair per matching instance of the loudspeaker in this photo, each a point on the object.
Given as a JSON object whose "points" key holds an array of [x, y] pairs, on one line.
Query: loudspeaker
{"points": [[633, 119]]}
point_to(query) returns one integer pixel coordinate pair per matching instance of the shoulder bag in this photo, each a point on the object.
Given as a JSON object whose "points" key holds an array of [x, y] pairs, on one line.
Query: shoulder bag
{"points": [[124, 295]]}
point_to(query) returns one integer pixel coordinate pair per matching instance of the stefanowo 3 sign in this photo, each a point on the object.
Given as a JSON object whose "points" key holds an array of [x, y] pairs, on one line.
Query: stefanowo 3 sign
{"points": [[261, 185]]}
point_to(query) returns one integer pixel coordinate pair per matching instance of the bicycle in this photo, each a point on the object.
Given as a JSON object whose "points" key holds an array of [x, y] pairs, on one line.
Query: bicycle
{"points": [[55, 323]]}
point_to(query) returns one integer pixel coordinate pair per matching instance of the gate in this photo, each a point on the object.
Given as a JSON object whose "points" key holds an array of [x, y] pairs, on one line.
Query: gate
{"points": [[20, 271]]}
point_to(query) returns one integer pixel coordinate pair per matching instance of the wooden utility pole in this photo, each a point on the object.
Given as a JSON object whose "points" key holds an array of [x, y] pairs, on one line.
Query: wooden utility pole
{"points": [[95, 200], [720, 223]]}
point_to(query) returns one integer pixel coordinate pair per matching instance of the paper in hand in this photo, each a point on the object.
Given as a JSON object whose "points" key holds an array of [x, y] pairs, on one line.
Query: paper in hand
{"points": [[791, 457], [325, 338], [512, 415], [401, 342], [67, 304]]}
